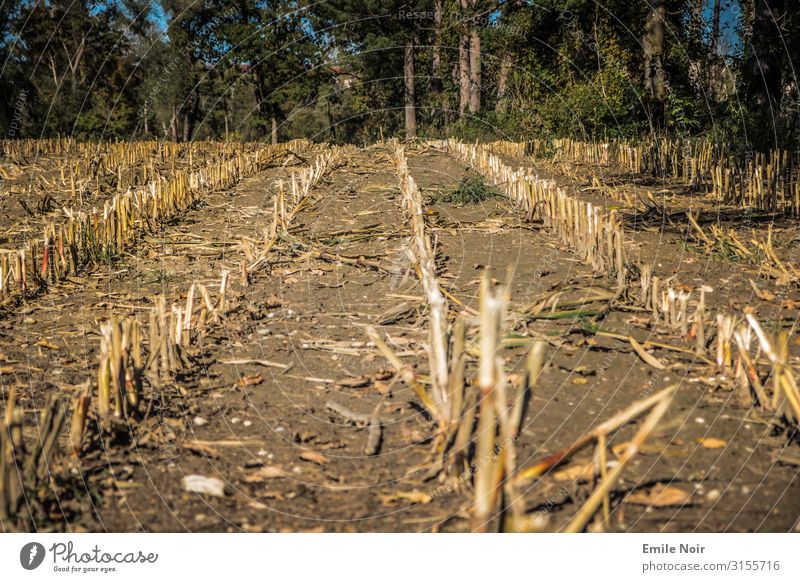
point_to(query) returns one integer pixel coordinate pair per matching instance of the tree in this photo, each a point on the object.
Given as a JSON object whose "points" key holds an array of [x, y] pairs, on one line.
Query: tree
{"points": [[383, 46], [274, 40], [74, 60], [473, 13], [771, 32], [653, 48]]}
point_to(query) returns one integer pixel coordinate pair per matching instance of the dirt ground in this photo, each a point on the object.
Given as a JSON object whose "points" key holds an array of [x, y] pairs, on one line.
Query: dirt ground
{"points": [[292, 463]]}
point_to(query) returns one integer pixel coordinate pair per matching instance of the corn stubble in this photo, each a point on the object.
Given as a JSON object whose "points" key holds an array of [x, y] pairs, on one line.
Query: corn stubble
{"points": [[26, 468], [100, 235], [478, 412], [477, 421], [135, 354]]}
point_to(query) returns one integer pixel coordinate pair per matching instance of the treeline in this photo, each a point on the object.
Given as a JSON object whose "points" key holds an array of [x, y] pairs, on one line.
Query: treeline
{"points": [[358, 70]]}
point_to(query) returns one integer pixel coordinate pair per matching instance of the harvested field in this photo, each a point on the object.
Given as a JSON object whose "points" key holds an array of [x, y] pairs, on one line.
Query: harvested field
{"points": [[321, 341]]}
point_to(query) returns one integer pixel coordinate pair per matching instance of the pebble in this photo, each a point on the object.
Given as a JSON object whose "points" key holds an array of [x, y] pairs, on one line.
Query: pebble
{"points": [[713, 495], [700, 420], [247, 423], [200, 421], [204, 485]]}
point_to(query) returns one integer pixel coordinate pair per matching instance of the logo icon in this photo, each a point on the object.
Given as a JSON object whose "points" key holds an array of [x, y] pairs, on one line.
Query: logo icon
{"points": [[31, 555]]}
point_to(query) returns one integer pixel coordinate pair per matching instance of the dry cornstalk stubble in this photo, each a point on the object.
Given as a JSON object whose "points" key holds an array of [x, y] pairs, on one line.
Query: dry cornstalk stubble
{"points": [[131, 360], [26, 468], [87, 238]]}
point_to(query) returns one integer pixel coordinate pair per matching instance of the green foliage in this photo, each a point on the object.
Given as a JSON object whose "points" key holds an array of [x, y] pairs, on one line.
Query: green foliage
{"points": [[333, 70], [471, 190]]}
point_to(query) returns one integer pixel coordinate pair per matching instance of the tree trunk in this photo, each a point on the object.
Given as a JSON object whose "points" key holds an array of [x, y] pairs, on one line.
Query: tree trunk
{"points": [[274, 123], [463, 73], [190, 117], [715, 30], [474, 71], [715, 66], [186, 129], [502, 83], [696, 28], [439, 112], [436, 64], [463, 59], [653, 45], [173, 124], [408, 75]]}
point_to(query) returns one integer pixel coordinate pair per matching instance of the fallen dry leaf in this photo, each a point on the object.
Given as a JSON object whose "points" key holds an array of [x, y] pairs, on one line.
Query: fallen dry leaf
{"points": [[272, 495], [264, 473], [712, 443], [762, 293], [273, 301], [659, 496], [355, 382], [45, 343], [250, 380], [313, 457]]}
